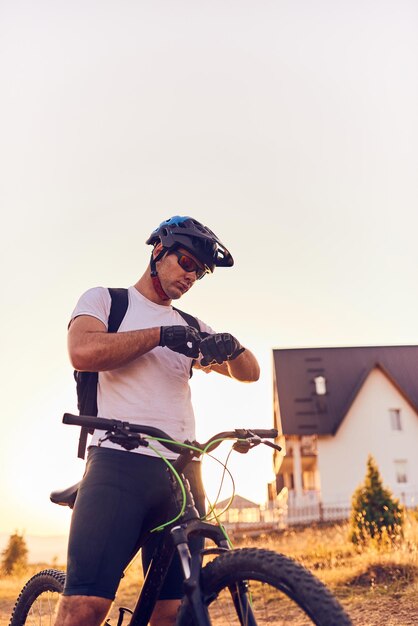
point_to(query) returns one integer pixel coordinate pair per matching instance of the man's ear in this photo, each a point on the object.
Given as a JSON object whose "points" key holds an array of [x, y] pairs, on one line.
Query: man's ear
{"points": [[157, 249]]}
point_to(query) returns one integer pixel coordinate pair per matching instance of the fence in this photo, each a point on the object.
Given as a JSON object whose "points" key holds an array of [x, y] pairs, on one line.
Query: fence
{"points": [[316, 513], [279, 517], [255, 521]]}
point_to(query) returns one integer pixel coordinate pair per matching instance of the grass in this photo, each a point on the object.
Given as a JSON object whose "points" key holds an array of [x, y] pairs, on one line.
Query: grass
{"points": [[375, 585], [327, 551]]}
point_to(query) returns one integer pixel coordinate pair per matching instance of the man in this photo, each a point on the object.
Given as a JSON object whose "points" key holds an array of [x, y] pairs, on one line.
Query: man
{"points": [[144, 372]]}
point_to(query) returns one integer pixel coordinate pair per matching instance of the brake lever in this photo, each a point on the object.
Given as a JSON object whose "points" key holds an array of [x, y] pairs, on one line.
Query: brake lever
{"points": [[244, 446], [275, 446], [129, 441]]}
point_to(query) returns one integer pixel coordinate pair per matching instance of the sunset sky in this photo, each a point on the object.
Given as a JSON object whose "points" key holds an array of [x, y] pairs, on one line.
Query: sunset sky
{"points": [[289, 127]]}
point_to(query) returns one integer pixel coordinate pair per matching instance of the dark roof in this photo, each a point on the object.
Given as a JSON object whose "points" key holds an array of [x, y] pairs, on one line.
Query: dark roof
{"points": [[302, 411]]}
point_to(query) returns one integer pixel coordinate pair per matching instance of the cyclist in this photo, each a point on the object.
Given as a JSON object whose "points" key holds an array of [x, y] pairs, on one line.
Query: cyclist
{"points": [[144, 372]]}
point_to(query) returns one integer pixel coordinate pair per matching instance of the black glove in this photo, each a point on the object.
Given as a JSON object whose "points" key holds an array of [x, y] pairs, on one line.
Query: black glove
{"points": [[219, 348], [183, 339]]}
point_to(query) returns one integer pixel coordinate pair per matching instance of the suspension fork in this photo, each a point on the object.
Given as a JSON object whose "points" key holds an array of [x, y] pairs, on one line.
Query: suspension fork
{"points": [[192, 566]]}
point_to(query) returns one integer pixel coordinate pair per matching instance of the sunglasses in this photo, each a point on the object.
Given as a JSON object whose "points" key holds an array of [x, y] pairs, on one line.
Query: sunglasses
{"points": [[188, 264]]}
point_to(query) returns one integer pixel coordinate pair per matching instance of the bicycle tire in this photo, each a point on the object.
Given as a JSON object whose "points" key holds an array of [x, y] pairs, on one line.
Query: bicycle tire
{"points": [[291, 594], [37, 599]]}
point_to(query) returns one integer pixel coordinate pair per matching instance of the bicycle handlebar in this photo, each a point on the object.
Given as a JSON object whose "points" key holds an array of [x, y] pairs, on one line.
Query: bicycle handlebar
{"points": [[102, 423]]}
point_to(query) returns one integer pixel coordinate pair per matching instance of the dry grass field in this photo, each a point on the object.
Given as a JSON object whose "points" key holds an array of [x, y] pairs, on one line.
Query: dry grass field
{"points": [[376, 586]]}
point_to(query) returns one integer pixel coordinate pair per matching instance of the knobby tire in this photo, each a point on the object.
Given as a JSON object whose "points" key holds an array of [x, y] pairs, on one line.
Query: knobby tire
{"points": [[37, 600], [281, 591]]}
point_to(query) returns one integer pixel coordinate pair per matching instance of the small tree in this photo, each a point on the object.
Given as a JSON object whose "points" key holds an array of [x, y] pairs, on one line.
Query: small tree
{"points": [[376, 515], [15, 555]]}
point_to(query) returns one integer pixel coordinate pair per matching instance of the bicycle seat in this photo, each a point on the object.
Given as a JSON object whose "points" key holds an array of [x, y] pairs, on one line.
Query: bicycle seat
{"points": [[65, 497]]}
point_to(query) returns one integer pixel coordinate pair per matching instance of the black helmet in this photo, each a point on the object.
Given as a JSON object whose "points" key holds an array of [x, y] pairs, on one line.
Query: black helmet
{"points": [[185, 232]]}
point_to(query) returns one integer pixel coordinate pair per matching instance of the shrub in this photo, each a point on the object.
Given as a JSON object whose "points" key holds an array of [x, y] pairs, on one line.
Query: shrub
{"points": [[376, 515], [15, 555]]}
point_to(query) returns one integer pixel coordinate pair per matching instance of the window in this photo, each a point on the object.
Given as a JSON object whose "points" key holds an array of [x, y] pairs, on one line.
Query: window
{"points": [[308, 480], [320, 385], [395, 419], [401, 471], [289, 481], [233, 516]]}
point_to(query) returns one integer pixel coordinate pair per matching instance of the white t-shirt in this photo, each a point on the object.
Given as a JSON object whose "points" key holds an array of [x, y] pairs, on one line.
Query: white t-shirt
{"points": [[154, 388]]}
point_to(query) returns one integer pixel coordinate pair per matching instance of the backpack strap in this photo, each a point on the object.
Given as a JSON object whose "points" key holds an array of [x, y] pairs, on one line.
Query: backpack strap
{"points": [[118, 308], [191, 321]]}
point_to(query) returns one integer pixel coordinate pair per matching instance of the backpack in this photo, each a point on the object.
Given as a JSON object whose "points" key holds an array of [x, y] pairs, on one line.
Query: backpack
{"points": [[86, 382]]}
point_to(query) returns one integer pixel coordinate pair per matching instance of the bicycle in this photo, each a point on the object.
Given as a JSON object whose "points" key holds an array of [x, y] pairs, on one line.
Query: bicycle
{"points": [[246, 586]]}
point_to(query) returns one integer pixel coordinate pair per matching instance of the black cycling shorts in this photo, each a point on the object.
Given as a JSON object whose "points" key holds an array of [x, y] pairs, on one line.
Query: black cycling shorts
{"points": [[122, 496]]}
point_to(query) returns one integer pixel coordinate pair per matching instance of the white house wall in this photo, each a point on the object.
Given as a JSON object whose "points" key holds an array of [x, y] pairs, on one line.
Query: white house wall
{"points": [[367, 429]]}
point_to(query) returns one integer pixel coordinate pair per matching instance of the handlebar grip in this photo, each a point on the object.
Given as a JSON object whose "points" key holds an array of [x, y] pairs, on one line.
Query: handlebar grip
{"points": [[68, 418], [89, 421], [266, 433], [103, 423]]}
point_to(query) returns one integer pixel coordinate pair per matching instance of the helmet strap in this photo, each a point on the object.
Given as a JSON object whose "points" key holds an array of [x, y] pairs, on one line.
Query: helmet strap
{"points": [[154, 275]]}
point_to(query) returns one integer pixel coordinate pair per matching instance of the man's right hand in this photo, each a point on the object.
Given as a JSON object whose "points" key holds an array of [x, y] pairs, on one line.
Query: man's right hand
{"points": [[182, 339]]}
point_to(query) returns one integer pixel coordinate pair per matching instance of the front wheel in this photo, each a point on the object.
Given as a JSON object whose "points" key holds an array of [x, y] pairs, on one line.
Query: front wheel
{"points": [[38, 598], [258, 587]]}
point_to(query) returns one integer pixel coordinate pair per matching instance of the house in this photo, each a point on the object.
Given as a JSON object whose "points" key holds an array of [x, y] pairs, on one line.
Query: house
{"points": [[244, 516], [240, 510], [335, 406]]}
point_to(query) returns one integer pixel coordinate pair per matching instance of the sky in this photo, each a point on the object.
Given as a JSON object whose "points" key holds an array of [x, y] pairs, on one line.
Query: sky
{"points": [[289, 127]]}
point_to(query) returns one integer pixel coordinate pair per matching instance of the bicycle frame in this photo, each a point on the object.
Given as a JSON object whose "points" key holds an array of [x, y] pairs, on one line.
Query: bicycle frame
{"points": [[172, 540], [175, 536]]}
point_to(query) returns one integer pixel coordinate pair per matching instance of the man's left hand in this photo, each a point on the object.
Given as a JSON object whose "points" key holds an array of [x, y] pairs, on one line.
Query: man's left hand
{"points": [[219, 347]]}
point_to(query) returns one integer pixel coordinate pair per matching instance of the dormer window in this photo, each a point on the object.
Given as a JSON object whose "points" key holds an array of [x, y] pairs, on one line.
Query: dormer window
{"points": [[395, 419], [320, 385]]}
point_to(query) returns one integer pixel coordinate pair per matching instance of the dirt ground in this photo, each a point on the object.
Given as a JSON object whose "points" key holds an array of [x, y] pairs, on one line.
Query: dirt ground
{"points": [[5, 611], [363, 609], [383, 611], [380, 594]]}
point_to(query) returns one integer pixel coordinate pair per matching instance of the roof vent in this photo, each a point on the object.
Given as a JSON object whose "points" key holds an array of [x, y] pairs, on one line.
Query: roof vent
{"points": [[320, 385]]}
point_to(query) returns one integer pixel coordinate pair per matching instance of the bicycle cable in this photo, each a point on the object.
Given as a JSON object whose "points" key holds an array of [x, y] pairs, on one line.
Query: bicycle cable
{"points": [[203, 452], [212, 509], [225, 470]]}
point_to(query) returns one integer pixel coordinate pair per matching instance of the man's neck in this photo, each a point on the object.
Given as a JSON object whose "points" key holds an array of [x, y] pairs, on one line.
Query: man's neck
{"points": [[146, 289]]}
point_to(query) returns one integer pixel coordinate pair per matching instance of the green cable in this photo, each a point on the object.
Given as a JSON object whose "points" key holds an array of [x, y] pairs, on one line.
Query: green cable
{"points": [[179, 480], [176, 474], [183, 491]]}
